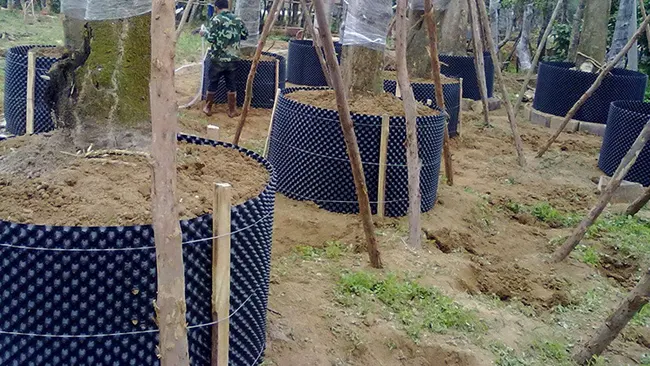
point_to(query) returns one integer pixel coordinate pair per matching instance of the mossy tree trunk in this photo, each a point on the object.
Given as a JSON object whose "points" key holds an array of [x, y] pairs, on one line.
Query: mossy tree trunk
{"points": [[418, 62], [102, 86], [593, 39]]}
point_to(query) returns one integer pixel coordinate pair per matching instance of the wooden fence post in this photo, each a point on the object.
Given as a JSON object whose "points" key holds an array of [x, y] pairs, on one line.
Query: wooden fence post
{"points": [[479, 60], [31, 80], [221, 273], [383, 160], [268, 135]]}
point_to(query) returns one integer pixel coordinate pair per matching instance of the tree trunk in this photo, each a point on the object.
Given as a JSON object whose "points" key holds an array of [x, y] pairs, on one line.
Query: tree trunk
{"points": [[328, 13], [523, 51], [510, 20], [102, 86], [494, 19], [615, 323], [593, 38], [418, 62], [454, 24], [575, 31], [249, 12], [364, 43], [625, 27]]}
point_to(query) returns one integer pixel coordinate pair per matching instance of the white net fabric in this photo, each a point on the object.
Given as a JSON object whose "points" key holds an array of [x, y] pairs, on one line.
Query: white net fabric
{"points": [[104, 9], [366, 23]]}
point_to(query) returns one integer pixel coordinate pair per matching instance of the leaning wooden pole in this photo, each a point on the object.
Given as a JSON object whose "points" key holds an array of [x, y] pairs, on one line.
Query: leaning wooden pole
{"points": [[413, 162], [479, 60], [638, 204], [538, 54], [615, 323], [487, 33], [170, 304], [644, 14], [186, 13], [432, 30], [603, 74], [624, 167], [317, 46], [268, 25], [349, 136]]}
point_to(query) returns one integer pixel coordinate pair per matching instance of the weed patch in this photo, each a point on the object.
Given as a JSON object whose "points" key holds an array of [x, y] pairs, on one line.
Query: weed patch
{"points": [[332, 250]]}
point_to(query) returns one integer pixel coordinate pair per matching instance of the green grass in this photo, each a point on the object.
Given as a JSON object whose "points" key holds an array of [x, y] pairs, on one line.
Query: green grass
{"points": [[332, 250], [543, 211], [642, 318], [418, 308], [188, 46], [537, 353], [628, 236]]}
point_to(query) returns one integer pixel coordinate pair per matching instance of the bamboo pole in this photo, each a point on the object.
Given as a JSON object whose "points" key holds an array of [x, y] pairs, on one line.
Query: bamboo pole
{"points": [[221, 273], [432, 31], [623, 168], [186, 13], [603, 73], [317, 46], [519, 145], [479, 61], [638, 204], [383, 160], [31, 80], [538, 54], [413, 162], [268, 25], [349, 136], [170, 304], [615, 323]]}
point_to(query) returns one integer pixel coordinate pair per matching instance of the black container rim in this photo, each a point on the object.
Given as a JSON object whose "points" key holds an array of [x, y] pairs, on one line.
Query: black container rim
{"points": [[633, 107], [23, 50], [471, 56], [307, 42], [181, 136], [617, 73], [455, 81]]}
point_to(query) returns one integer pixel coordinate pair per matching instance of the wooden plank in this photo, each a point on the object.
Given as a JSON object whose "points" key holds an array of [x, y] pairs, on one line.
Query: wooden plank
{"points": [[459, 128], [268, 135], [383, 159], [221, 273], [31, 80]]}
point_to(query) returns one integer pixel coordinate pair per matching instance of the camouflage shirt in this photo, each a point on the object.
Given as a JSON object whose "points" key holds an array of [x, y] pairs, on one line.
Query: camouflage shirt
{"points": [[225, 31]]}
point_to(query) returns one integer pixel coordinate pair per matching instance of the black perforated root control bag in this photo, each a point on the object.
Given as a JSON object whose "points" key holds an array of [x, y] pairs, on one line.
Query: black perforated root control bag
{"points": [[102, 280], [303, 67], [310, 159], [463, 67], [624, 124]]}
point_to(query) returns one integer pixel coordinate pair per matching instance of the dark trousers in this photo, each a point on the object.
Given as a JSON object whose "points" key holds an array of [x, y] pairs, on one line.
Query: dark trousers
{"points": [[217, 71]]}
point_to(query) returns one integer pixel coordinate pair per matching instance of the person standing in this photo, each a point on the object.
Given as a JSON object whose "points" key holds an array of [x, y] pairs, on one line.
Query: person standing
{"points": [[224, 34]]}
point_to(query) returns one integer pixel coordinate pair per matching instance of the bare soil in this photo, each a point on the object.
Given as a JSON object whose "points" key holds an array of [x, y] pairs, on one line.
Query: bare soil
{"points": [[383, 104]]}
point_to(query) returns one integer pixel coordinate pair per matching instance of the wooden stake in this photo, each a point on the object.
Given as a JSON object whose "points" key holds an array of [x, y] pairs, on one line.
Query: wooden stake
{"points": [[644, 14], [606, 196], [317, 45], [383, 160], [277, 77], [221, 273], [170, 305], [487, 32], [186, 13], [268, 135], [538, 54], [413, 161], [349, 136], [31, 80], [432, 30], [608, 67], [638, 204], [615, 323], [459, 128], [268, 25], [479, 61]]}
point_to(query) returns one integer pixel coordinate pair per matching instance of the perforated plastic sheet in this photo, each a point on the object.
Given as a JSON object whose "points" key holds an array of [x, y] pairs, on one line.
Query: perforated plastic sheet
{"points": [[366, 23], [104, 9], [303, 67], [90, 293], [310, 159], [625, 121], [463, 67]]}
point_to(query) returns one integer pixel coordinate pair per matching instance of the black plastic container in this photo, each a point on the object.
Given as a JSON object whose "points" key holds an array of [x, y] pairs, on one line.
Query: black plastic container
{"points": [[463, 67], [102, 280], [303, 67]]}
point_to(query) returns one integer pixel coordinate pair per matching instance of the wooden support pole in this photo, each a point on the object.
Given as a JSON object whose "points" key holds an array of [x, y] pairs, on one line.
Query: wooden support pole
{"points": [[413, 162], [432, 31], [644, 14], [317, 45], [624, 167], [487, 32], [459, 128], [31, 81], [615, 323], [349, 136], [383, 160], [186, 13], [277, 75], [268, 26], [170, 306], [538, 54], [599, 80], [268, 135], [221, 273], [479, 60], [638, 204]]}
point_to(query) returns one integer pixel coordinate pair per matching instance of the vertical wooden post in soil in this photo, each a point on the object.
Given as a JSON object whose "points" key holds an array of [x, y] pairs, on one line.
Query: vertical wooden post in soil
{"points": [[432, 31], [170, 304], [519, 145], [268, 135], [624, 167], [413, 162], [383, 160], [186, 13], [221, 273], [349, 136], [268, 25], [638, 204], [615, 323], [317, 46], [459, 128], [644, 14], [538, 54], [603, 74], [31, 80], [479, 61]]}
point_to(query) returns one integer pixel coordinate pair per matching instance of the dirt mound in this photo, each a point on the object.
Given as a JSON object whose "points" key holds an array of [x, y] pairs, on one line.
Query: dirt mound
{"points": [[449, 241]]}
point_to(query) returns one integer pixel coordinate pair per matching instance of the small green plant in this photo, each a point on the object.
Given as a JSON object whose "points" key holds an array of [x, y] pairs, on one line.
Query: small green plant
{"points": [[416, 307], [642, 318], [628, 236], [506, 356], [332, 250], [588, 254], [544, 212], [551, 351]]}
